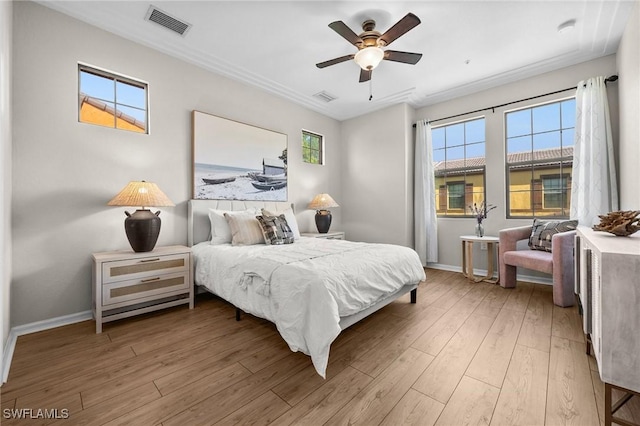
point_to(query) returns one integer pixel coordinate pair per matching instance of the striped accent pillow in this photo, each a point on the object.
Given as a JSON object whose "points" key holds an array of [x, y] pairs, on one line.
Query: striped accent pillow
{"points": [[245, 228], [544, 230], [275, 229], [220, 231]]}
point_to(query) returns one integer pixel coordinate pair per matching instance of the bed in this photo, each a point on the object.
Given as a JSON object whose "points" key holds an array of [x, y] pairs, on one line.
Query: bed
{"points": [[311, 289]]}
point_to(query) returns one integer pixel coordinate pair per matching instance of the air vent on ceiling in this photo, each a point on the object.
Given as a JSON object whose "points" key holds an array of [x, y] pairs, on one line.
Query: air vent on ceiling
{"points": [[324, 96], [161, 18]]}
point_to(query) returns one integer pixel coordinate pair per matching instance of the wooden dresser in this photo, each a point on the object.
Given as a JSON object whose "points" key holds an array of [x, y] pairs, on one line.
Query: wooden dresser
{"points": [[127, 283], [608, 287]]}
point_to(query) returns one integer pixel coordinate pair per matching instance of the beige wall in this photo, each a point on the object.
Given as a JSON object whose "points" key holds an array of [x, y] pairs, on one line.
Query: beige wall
{"points": [[450, 229], [65, 172], [628, 62], [5, 169], [377, 151]]}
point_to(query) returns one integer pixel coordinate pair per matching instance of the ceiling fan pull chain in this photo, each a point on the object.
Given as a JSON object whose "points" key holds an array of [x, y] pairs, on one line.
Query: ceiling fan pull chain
{"points": [[370, 89]]}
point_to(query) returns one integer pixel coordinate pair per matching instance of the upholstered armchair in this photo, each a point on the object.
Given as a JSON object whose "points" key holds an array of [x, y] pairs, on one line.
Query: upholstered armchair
{"points": [[558, 263]]}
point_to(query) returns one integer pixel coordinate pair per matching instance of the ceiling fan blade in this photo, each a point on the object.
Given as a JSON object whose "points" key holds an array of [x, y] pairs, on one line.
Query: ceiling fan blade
{"points": [[402, 26], [334, 61], [346, 32], [365, 75], [404, 57]]}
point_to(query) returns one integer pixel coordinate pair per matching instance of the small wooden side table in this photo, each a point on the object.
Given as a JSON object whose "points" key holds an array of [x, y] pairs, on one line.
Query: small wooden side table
{"points": [[467, 257], [610, 407]]}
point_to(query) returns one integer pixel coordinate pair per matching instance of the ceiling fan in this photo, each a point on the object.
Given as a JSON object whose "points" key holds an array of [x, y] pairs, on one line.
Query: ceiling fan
{"points": [[370, 45]]}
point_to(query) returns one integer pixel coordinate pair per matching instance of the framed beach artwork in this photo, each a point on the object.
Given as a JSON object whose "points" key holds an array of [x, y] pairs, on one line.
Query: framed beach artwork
{"points": [[236, 161]]}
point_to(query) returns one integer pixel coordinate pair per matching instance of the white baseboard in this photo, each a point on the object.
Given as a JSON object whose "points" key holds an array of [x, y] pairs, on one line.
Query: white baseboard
{"points": [[7, 354], [34, 327], [482, 272]]}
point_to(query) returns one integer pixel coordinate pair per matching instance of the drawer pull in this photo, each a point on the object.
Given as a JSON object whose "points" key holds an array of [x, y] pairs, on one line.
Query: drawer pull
{"points": [[150, 279], [155, 259]]}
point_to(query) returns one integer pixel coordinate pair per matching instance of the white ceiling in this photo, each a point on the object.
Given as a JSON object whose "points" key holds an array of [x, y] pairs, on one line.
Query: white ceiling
{"points": [[275, 45]]}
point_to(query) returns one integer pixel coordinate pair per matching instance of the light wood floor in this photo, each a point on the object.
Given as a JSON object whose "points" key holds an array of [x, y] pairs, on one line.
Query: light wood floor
{"points": [[464, 354]]}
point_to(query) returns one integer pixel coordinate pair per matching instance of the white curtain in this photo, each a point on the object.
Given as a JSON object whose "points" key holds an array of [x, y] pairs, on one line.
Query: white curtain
{"points": [[593, 188], [426, 224]]}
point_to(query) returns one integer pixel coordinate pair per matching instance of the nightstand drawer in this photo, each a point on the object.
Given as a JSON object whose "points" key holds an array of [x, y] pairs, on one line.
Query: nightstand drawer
{"points": [[134, 290], [144, 267]]}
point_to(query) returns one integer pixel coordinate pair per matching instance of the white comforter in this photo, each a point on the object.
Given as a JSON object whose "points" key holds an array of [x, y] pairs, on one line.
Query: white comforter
{"points": [[305, 287]]}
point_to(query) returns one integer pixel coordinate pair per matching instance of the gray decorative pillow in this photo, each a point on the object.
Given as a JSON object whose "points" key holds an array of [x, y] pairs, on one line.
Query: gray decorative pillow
{"points": [[544, 230], [275, 229]]}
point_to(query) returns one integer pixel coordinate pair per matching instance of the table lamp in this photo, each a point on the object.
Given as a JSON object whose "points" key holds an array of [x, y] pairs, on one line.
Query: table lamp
{"points": [[320, 204], [142, 227]]}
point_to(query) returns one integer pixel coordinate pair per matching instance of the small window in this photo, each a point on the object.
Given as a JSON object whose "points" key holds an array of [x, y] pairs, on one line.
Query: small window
{"points": [[554, 189], [456, 195], [459, 166], [312, 148], [111, 100], [539, 150]]}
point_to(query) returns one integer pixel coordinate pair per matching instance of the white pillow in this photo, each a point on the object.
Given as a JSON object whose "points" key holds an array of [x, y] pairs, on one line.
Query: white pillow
{"points": [[290, 217], [245, 228], [220, 231]]}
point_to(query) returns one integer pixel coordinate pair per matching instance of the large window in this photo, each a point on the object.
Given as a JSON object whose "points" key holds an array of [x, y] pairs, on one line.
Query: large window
{"points": [[459, 164], [312, 148], [539, 159], [111, 100]]}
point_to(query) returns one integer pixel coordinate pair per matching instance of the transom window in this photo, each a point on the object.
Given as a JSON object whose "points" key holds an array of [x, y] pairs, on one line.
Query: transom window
{"points": [[539, 159], [312, 148], [459, 165], [111, 100]]}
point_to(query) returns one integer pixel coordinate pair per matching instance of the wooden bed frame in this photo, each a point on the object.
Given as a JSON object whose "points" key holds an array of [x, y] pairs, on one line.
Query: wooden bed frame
{"points": [[200, 230]]}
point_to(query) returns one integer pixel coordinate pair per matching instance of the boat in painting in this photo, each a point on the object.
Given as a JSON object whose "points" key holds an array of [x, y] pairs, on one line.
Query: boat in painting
{"points": [[260, 177], [210, 181], [269, 186]]}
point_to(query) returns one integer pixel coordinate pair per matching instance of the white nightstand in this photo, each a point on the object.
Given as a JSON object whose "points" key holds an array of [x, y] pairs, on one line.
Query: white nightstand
{"points": [[126, 283], [328, 235]]}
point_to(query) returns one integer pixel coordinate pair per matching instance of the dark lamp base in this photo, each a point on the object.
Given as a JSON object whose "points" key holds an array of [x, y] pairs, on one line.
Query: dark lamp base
{"points": [[142, 229], [323, 221]]}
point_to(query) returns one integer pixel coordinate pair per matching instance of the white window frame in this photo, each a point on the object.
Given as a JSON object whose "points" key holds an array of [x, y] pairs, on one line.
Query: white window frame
{"points": [[533, 162], [84, 67], [466, 212]]}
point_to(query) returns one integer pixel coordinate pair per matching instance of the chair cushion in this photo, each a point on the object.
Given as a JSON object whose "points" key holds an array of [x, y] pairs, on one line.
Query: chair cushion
{"points": [[531, 259], [544, 230]]}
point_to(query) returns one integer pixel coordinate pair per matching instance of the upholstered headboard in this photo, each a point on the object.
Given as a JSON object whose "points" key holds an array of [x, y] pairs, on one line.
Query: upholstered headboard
{"points": [[198, 214]]}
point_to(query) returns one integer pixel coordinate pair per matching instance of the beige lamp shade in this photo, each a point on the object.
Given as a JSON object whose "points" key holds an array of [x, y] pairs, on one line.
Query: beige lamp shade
{"points": [[322, 202], [141, 193]]}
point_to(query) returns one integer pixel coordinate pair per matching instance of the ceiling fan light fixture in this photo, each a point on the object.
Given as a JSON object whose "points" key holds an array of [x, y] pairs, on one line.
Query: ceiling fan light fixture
{"points": [[369, 57]]}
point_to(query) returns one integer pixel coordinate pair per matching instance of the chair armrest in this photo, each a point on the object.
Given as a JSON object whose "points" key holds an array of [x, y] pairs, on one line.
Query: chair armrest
{"points": [[562, 245], [509, 237]]}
